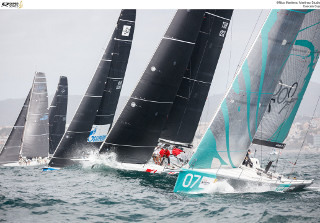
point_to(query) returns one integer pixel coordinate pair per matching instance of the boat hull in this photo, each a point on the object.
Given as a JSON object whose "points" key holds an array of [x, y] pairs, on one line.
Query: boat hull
{"points": [[30, 163], [240, 179]]}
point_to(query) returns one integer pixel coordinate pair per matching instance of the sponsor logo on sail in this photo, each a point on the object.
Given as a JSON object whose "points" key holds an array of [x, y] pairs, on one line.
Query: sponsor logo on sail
{"points": [[126, 30]]}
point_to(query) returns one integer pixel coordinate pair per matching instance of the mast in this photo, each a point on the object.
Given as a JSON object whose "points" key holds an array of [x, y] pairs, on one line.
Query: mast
{"points": [[187, 107], [74, 143], [231, 131], [11, 149], [294, 80], [57, 114], [35, 142], [136, 132]]}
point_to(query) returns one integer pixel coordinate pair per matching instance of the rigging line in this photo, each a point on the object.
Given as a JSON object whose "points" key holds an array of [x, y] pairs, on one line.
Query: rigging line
{"points": [[229, 56], [305, 136], [242, 56]]}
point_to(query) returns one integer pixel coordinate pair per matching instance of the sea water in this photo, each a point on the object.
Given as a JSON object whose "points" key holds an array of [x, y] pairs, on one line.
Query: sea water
{"points": [[104, 194]]}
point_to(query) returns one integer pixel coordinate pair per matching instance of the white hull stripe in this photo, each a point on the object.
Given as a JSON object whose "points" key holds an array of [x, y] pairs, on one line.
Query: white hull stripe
{"points": [[177, 40], [126, 20], [105, 60], [123, 40], [217, 16], [160, 102], [197, 80]]}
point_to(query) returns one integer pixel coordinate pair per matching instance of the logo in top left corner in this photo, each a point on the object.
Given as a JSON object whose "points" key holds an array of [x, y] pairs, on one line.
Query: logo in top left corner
{"points": [[12, 4]]}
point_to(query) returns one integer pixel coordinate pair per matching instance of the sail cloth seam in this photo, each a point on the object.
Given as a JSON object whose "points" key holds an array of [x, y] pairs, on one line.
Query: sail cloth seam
{"points": [[179, 40], [160, 102], [217, 16]]}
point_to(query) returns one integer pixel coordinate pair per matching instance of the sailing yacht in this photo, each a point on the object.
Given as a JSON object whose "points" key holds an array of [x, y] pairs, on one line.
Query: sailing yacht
{"points": [[95, 114], [28, 142], [137, 130], [57, 114], [287, 48]]}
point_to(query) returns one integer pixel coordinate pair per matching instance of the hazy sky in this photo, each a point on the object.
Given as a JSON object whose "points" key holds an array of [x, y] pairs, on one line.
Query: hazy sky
{"points": [[71, 43]]}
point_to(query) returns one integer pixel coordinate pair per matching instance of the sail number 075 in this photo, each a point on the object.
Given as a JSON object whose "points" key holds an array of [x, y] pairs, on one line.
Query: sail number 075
{"points": [[188, 180]]}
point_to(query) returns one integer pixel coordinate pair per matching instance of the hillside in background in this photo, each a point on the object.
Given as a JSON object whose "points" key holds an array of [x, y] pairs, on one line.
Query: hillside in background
{"points": [[10, 108]]}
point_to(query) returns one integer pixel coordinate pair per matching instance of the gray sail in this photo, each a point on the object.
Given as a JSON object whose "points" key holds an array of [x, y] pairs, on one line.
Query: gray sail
{"points": [[35, 142], [57, 114], [286, 99], [11, 150], [237, 119]]}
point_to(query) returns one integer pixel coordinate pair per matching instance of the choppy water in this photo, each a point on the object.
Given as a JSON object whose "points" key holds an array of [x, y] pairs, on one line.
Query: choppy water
{"points": [[106, 195]]}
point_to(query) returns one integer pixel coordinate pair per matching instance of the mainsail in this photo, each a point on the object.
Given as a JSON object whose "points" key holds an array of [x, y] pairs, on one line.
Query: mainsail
{"points": [[118, 66], [11, 150], [93, 111], [136, 132], [57, 114], [237, 119], [35, 142], [286, 99], [187, 107]]}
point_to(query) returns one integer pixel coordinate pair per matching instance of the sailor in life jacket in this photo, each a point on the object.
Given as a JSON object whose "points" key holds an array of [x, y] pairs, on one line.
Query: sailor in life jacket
{"points": [[156, 154], [247, 161], [165, 153]]}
